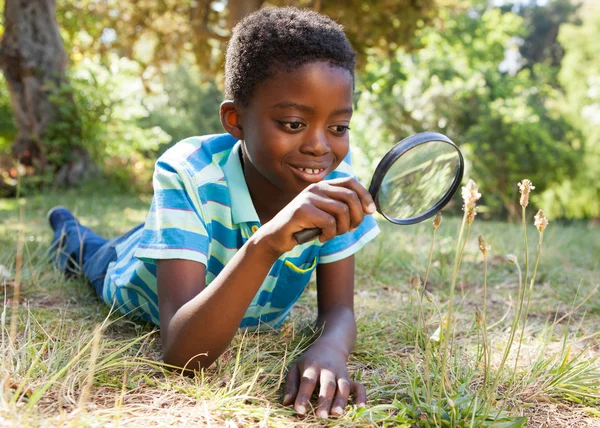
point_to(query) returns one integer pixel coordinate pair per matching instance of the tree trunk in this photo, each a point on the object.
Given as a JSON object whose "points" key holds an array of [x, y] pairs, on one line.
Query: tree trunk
{"points": [[34, 60], [237, 9]]}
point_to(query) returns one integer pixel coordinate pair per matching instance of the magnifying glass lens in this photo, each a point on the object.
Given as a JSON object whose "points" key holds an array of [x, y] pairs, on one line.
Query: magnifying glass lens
{"points": [[418, 179]]}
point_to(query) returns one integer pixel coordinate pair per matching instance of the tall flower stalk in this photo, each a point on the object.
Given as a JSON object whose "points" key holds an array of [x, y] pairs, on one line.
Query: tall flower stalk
{"points": [[541, 222], [515, 325], [483, 247], [525, 187], [421, 288], [470, 195]]}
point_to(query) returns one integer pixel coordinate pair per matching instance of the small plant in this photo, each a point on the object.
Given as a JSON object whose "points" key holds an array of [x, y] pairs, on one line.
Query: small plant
{"points": [[469, 390]]}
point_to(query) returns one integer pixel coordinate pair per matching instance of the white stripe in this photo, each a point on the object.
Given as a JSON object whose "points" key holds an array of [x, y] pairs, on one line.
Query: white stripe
{"points": [[160, 254], [178, 219], [352, 248]]}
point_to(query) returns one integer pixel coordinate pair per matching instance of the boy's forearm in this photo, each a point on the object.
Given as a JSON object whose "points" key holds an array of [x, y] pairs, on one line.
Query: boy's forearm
{"points": [[206, 324], [339, 329]]}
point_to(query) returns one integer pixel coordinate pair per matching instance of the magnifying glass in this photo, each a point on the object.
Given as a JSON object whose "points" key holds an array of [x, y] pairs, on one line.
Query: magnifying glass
{"points": [[413, 181]]}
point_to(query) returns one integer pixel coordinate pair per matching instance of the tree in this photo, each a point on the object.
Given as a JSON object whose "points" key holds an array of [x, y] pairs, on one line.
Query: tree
{"points": [[154, 33], [33, 60], [579, 196], [506, 125], [158, 32]]}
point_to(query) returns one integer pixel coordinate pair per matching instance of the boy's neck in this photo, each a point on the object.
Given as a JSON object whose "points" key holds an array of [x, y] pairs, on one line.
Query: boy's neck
{"points": [[267, 199]]}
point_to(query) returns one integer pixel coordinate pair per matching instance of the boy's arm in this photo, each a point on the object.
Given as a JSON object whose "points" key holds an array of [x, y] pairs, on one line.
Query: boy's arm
{"points": [[198, 322], [194, 317], [324, 363]]}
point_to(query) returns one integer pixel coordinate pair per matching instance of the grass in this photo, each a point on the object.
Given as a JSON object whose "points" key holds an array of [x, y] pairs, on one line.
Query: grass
{"points": [[71, 362]]}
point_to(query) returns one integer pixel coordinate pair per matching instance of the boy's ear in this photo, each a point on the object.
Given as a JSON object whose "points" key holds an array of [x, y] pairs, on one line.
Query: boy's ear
{"points": [[230, 119]]}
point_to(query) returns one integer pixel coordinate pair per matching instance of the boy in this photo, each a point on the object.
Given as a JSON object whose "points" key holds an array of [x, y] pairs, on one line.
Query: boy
{"points": [[217, 251]]}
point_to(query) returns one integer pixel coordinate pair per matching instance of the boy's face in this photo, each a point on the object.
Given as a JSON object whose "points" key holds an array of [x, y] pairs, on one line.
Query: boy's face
{"points": [[295, 128]]}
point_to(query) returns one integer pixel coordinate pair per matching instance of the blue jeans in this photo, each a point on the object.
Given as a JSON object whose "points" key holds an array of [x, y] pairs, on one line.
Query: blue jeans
{"points": [[77, 249]]}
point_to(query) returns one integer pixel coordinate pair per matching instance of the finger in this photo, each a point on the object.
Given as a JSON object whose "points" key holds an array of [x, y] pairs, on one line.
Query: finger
{"points": [[290, 390], [339, 210], [326, 393], [307, 386], [341, 398], [360, 395], [364, 195], [312, 217], [351, 201]]}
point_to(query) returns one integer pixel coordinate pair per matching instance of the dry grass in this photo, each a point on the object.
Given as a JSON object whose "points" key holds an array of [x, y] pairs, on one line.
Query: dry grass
{"points": [[54, 375]]}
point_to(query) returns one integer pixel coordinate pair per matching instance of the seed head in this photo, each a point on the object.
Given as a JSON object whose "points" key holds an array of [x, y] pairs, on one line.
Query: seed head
{"points": [[511, 258], [415, 281], [429, 296], [541, 222], [437, 220], [525, 186], [483, 247], [470, 194], [471, 213]]}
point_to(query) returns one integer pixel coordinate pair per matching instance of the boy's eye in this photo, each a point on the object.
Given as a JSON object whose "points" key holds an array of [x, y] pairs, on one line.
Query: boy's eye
{"points": [[292, 126], [340, 129]]}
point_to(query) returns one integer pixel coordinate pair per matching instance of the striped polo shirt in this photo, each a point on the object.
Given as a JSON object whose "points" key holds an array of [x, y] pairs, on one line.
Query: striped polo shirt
{"points": [[202, 211]]}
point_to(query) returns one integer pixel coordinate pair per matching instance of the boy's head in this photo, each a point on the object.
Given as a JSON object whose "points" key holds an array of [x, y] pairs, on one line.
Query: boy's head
{"points": [[289, 85], [274, 39]]}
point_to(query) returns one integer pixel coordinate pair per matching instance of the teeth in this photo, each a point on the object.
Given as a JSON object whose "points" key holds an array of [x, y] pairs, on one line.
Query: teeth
{"points": [[310, 170]]}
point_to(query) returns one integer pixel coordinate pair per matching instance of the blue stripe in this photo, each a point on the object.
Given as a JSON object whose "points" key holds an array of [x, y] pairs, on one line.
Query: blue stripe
{"points": [[174, 199], [215, 266], [228, 238], [263, 298], [164, 166], [202, 157], [217, 193], [173, 238]]}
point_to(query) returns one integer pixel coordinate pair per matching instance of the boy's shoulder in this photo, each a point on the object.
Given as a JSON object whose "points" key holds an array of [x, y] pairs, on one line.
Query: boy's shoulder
{"points": [[197, 154]]}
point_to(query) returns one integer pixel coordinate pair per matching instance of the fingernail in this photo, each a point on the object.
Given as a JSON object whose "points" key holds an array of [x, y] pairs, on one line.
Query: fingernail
{"points": [[301, 409], [322, 414], [353, 229], [286, 398], [372, 208], [337, 411]]}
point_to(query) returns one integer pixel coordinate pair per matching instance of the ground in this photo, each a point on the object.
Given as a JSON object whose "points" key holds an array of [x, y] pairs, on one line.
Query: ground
{"points": [[59, 368]]}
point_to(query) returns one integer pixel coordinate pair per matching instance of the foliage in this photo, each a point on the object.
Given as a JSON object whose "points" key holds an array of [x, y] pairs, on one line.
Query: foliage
{"points": [[7, 126], [506, 124], [580, 76], [159, 32], [541, 45], [187, 106]]}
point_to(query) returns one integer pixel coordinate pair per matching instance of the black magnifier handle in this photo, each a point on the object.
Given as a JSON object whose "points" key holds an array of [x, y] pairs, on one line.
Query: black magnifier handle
{"points": [[307, 235]]}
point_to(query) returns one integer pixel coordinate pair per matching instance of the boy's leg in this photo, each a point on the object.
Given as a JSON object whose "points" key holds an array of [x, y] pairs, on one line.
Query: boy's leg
{"points": [[76, 249], [73, 244], [96, 266]]}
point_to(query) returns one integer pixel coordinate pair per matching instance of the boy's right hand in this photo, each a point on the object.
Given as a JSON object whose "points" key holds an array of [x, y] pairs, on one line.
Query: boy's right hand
{"points": [[334, 206]]}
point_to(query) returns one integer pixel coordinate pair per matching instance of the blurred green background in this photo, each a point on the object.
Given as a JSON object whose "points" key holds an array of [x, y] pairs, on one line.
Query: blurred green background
{"points": [[515, 83]]}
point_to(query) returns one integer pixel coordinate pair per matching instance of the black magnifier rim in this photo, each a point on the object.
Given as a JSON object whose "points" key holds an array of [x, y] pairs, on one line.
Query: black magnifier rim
{"points": [[398, 150]]}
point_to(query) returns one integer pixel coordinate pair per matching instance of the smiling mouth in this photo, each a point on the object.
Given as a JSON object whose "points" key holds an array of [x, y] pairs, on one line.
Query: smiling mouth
{"points": [[311, 175], [314, 171]]}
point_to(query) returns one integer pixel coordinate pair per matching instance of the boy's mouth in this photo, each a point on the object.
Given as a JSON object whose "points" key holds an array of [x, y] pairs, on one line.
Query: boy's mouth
{"points": [[312, 175]]}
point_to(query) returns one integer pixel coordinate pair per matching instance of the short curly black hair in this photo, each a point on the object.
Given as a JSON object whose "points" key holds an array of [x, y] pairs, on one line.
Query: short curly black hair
{"points": [[273, 39]]}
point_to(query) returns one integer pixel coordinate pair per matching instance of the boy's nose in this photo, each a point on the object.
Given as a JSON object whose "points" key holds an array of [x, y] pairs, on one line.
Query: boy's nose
{"points": [[315, 144]]}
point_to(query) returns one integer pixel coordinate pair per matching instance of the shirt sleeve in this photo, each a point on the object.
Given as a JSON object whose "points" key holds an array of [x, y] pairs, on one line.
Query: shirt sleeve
{"points": [[345, 245], [176, 226]]}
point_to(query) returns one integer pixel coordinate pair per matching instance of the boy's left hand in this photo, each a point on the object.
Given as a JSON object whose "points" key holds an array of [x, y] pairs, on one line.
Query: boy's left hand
{"points": [[324, 365]]}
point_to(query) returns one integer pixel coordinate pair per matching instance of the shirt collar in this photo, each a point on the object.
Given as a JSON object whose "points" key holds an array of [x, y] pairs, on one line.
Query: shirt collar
{"points": [[242, 208]]}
